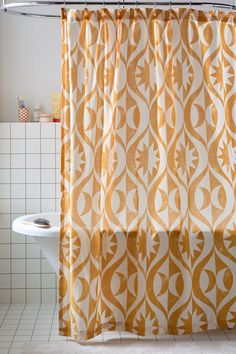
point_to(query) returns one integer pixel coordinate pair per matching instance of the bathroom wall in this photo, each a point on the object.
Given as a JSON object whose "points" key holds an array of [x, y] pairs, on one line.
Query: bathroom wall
{"points": [[30, 57], [29, 183]]}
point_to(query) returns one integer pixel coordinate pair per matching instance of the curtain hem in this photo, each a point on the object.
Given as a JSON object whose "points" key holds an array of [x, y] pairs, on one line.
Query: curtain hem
{"points": [[86, 335]]}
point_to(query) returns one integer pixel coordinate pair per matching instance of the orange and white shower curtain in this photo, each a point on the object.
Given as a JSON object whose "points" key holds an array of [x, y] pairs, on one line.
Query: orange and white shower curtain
{"points": [[148, 221]]}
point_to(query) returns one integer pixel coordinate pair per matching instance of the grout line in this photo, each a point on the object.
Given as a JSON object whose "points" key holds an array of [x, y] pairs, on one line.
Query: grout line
{"points": [[30, 168], [55, 207], [4, 183], [16, 328], [29, 287], [49, 337], [55, 160], [26, 298], [226, 335], [23, 272], [21, 257], [5, 315], [40, 206], [10, 222], [208, 336], [36, 318]]}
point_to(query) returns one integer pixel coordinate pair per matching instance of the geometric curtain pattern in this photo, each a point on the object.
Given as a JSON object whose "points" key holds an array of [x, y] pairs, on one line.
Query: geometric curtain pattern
{"points": [[148, 221]]}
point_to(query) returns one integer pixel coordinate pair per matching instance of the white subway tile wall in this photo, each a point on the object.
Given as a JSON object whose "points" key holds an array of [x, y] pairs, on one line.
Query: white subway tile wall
{"points": [[29, 183]]}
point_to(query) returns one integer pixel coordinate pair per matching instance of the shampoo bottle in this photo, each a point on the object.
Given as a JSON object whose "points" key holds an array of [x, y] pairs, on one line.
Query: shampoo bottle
{"points": [[36, 114]]}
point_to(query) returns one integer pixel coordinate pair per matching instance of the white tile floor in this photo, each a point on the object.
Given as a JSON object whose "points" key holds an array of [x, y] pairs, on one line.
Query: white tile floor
{"points": [[39, 323]]}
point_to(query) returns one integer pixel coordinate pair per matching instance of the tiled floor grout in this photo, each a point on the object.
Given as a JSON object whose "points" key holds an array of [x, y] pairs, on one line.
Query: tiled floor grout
{"points": [[54, 313], [209, 336], [35, 324], [225, 333], [5, 315], [38, 323], [16, 328]]}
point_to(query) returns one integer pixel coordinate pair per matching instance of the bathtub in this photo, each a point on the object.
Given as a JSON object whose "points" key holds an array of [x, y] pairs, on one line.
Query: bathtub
{"points": [[47, 239]]}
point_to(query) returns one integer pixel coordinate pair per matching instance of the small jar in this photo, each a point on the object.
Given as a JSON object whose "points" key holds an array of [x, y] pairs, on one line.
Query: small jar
{"points": [[45, 118], [56, 120]]}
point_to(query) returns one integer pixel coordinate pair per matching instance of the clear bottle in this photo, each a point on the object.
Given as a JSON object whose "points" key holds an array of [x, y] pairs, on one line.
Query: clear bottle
{"points": [[36, 113]]}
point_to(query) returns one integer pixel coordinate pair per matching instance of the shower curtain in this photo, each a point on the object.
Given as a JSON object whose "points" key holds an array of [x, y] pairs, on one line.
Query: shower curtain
{"points": [[148, 222]]}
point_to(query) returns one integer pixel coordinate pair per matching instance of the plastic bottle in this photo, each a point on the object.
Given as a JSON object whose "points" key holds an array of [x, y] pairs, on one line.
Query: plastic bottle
{"points": [[36, 114]]}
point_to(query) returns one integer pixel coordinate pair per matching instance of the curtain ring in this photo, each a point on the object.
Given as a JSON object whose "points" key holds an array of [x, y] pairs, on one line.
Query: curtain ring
{"points": [[136, 4], [170, 5], [119, 10], [86, 17], [190, 4], [155, 4]]}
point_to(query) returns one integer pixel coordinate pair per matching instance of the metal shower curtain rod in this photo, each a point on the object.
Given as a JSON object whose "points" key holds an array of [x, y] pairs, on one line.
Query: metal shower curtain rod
{"points": [[10, 7]]}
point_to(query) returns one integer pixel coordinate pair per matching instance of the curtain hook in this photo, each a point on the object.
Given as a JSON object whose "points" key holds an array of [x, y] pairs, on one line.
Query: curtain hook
{"points": [[190, 4], [170, 4], [155, 4], [136, 4]]}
